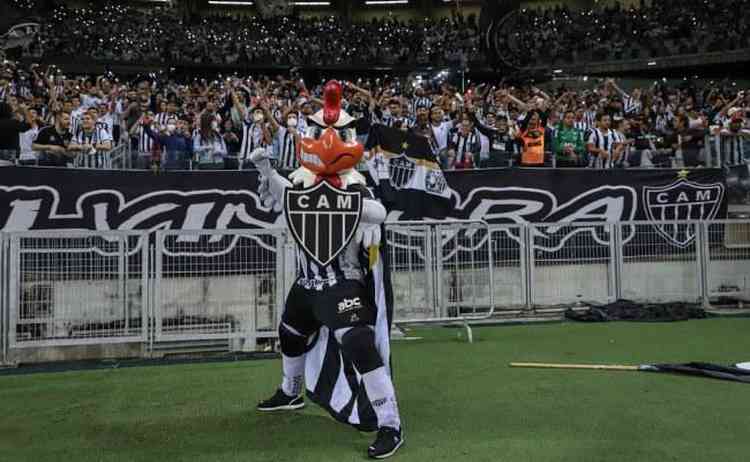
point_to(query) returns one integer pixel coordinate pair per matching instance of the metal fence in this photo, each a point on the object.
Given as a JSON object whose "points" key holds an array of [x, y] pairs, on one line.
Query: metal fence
{"points": [[218, 284], [67, 288], [86, 288]]}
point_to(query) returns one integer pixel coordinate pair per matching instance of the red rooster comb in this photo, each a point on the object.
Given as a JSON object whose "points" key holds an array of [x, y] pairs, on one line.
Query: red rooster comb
{"points": [[331, 102]]}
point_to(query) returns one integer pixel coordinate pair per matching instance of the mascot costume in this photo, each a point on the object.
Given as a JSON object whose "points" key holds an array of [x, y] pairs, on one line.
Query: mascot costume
{"points": [[334, 331]]}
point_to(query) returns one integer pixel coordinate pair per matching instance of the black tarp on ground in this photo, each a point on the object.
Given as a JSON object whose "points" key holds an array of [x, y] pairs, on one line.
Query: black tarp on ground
{"points": [[627, 310], [703, 370]]}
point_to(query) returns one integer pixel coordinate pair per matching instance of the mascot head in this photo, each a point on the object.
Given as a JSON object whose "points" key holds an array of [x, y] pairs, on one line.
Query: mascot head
{"points": [[330, 146]]}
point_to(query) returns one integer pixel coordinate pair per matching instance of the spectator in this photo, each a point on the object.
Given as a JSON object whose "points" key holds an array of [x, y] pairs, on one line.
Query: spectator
{"points": [[532, 137], [91, 137], [52, 142], [208, 145], [463, 147], [176, 142], [27, 156], [10, 128], [601, 143], [569, 145]]}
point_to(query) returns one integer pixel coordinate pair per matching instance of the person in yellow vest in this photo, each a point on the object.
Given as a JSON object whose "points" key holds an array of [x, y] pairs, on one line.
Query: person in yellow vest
{"points": [[532, 138]]}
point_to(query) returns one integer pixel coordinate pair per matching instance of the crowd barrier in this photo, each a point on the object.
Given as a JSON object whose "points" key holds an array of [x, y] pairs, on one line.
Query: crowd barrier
{"points": [[98, 289]]}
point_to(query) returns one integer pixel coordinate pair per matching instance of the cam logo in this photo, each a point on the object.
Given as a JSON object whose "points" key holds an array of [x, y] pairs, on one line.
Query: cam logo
{"points": [[401, 170], [349, 304], [435, 182], [680, 201], [323, 219]]}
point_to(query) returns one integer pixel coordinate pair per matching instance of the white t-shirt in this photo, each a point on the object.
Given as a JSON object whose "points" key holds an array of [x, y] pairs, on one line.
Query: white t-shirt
{"points": [[25, 140]]}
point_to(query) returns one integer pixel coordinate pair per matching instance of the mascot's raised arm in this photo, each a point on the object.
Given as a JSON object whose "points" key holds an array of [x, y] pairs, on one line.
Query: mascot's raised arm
{"points": [[335, 325]]}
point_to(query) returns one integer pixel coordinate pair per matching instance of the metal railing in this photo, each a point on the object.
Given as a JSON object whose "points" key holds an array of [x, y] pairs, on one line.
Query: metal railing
{"points": [[75, 287], [99, 289], [218, 284]]}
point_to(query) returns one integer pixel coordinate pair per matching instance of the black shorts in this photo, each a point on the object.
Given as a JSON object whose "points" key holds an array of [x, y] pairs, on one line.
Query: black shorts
{"points": [[345, 304]]}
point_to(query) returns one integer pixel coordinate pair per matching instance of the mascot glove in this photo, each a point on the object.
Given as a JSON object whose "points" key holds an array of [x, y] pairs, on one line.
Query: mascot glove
{"points": [[368, 235], [259, 157], [266, 197], [302, 176]]}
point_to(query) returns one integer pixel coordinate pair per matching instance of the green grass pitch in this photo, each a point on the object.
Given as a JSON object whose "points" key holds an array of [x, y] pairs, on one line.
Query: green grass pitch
{"points": [[460, 402]]}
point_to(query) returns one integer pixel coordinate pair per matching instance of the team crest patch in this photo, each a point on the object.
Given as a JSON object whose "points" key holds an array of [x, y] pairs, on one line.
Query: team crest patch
{"points": [[323, 219], [401, 170], [434, 182], [679, 201]]}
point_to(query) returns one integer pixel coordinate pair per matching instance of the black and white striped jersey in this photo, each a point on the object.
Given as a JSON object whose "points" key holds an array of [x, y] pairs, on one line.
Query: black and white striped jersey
{"points": [[145, 142], [252, 137], [75, 121], [286, 149], [350, 264], [583, 125], [604, 140], [590, 118], [421, 102], [99, 134], [162, 117], [631, 105]]}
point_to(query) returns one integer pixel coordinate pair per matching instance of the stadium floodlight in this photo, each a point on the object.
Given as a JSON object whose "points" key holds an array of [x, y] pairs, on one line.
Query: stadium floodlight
{"points": [[386, 2], [229, 3], [557, 71], [651, 63]]}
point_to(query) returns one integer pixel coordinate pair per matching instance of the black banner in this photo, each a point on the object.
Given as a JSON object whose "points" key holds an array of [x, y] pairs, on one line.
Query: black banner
{"points": [[41, 198]]}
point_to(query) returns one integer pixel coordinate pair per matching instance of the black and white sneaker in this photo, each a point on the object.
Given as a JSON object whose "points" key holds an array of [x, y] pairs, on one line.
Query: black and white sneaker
{"points": [[281, 402], [386, 443]]}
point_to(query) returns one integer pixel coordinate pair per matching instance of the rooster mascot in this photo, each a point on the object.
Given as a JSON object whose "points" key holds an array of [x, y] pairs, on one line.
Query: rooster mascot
{"points": [[334, 331]]}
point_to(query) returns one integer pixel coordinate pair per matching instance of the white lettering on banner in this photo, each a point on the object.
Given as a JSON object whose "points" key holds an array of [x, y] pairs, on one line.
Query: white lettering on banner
{"points": [[39, 207], [22, 215]]}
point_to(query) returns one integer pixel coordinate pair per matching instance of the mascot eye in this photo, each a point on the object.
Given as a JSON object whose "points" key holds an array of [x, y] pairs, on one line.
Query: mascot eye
{"points": [[346, 134], [314, 132]]}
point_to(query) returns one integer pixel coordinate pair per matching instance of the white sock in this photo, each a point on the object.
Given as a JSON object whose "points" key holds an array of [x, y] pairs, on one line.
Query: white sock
{"points": [[383, 397], [294, 369]]}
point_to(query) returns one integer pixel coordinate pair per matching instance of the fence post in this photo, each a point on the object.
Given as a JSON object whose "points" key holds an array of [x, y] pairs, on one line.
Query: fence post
{"points": [[14, 284], [704, 261], [618, 247], [156, 310], [530, 259], [3, 300]]}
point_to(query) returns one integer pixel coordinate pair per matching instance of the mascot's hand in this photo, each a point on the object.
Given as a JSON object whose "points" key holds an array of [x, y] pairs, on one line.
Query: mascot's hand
{"points": [[259, 157], [368, 235], [302, 176], [266, 197]]}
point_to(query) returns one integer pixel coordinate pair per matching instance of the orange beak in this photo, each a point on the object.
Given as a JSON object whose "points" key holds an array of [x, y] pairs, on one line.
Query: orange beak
{"points": [[329, 154]]}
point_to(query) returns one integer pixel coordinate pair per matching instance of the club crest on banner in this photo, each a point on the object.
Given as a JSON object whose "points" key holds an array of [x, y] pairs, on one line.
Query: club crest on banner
{"points": [[434, 182], [680, 201], [322, 219], [401, 170]]}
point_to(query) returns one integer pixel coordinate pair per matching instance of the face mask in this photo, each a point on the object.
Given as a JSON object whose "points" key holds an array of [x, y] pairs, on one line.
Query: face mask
{"points": [[291, 122], [257, 117], [171, 128]]}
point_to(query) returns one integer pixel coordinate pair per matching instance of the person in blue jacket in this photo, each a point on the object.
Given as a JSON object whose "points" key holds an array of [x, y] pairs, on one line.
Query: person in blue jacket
{"points": [[176, 141]]}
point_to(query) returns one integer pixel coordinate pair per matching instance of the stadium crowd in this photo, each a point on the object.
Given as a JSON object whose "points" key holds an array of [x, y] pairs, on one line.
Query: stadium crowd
{"points": [[48, 118], [114, 32], [607, 33]]}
